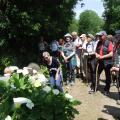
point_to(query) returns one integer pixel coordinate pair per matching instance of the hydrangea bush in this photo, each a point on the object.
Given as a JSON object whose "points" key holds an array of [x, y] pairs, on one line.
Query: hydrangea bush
{"points": [[23, 99]]}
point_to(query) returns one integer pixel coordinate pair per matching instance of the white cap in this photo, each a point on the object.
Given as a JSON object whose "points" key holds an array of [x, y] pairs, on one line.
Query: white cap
{"points": [[67, 35]]}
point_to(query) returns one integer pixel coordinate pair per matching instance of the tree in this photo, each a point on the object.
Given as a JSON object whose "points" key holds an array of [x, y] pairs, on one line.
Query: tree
{"points": [[22, 22], [111, 15], [74, 25], [89, 22]]}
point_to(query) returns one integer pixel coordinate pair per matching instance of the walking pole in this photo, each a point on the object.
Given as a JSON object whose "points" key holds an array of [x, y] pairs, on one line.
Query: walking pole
{"points": [[81, 65], [96, 80], [118, 85], [86, 72]]}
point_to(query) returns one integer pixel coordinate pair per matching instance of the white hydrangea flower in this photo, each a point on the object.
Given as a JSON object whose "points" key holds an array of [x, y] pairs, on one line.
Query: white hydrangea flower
{"points": [[25, 72], [47, 89], [68, 96], [13, 86], [13, 68], [19, 70], [37, 83], [42, 78], [35, 72], [56, 91], [72, 100], [8, 118], [22, 100], [30, 105], [7, 75]]}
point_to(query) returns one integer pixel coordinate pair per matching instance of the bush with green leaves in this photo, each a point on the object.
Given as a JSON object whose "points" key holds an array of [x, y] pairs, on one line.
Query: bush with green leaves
{"points": [[5, 61], [21, 99]]}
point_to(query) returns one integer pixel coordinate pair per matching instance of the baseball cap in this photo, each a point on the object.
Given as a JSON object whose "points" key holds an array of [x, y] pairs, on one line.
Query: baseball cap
{"points": [[101, 33], [83, 35], [90, 36], [67, 35]]}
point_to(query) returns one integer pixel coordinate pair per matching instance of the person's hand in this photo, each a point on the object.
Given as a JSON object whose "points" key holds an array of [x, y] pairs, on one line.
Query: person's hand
{"points": [[97, 56], [56, 77], [114, 69], [66, 59], [80, 48]]}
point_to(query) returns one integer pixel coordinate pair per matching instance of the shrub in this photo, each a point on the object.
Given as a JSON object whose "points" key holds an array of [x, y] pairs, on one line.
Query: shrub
{"points": [[6, 61], [22, 99]]}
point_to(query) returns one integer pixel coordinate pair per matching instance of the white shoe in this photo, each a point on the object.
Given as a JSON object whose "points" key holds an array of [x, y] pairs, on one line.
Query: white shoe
{"points": [[72, 83], [118, 102], [91, 91], [67, 82]]}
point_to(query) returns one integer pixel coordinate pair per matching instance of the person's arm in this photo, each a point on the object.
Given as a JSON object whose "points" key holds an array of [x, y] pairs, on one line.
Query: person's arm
{"points": [[57, 69], [97, 55], [107, 56], [57, 74], [63, 55], [73, 53], [116, 69]]}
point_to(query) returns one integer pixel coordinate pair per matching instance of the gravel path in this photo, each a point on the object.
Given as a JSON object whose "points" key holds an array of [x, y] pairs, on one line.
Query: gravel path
{"points": [[95, 106]]}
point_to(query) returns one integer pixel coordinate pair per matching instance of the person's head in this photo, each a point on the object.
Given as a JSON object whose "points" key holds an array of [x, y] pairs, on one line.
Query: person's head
{"points": [[117, 34], [90, 37], [97, 36], [74, 35], [61, 41], [46, 56], [102, 35], [67, 37], [83, 37], [110, 38]]}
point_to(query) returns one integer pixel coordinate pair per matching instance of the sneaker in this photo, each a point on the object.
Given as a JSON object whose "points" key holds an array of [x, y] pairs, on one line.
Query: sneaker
{"points": [[118, 102], [91, 91], [106, 93], [67, 82], [72, 83]]}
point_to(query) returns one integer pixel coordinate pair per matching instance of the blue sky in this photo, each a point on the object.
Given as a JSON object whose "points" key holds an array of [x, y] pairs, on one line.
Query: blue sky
{"points": [[95, 5]]}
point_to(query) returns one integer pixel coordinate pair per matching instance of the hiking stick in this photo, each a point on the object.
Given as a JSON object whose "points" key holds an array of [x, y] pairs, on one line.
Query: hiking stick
{"points": [[118, 85], [86, 72], [96, 80]]}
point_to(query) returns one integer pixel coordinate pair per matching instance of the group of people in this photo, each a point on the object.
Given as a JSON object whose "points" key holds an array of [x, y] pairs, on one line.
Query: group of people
{"points": [[85, 54]]}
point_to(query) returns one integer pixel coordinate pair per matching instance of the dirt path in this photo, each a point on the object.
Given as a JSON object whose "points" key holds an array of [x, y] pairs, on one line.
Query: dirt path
{"points": [[95, 106]]}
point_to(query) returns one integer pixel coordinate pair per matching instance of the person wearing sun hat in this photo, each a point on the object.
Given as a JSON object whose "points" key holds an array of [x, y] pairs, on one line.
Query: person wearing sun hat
{"points": [[68, 54], [104, 56], [68, 35]]}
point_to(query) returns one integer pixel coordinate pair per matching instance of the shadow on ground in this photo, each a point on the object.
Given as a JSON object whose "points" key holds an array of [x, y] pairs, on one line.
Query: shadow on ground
{"points": [[112, 95], [111, 110]]}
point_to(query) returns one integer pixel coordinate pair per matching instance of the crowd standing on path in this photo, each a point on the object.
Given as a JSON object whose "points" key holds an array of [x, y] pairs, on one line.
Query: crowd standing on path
{"points": [[85, 57]]}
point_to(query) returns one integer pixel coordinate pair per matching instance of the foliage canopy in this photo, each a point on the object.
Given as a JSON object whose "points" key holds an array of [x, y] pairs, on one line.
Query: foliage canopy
{"points": [[22, 22], [111, 15], [89, 22]]}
